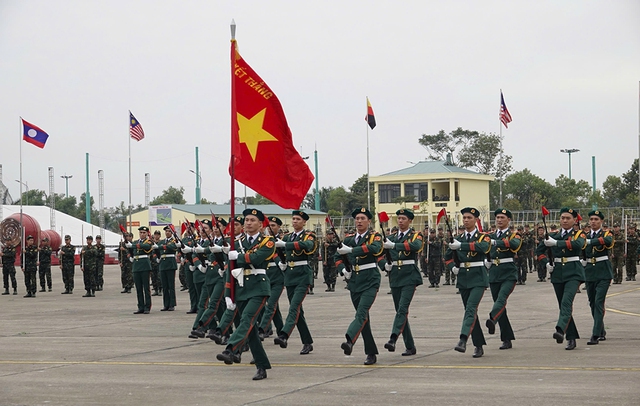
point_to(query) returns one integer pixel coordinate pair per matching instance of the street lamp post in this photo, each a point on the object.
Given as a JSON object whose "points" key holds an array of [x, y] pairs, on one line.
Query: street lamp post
{"points": [[26, 186], [569, 152], [66, 181], [198, 185]]}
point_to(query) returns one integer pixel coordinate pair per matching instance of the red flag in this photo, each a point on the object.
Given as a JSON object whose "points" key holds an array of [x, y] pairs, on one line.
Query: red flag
{"points": [[370, 118], [173, 229], [383, 216], [479, 223], [227, 229], [198, 224], [443, 213], [183, 228], [122, 229], [262, 151], [545, 212], [579, 217]]}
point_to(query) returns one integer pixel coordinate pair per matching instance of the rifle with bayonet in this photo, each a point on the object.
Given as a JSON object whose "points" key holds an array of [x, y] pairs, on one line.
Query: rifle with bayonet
{"points": [[345, 257]]}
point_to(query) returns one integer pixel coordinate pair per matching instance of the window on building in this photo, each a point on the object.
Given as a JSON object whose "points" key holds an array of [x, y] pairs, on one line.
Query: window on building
{"points": [[389, 192], [418, 190]]}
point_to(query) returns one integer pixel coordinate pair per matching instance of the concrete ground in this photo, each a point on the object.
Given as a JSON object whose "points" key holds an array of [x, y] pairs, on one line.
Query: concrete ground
{"points": [[69, 350]]}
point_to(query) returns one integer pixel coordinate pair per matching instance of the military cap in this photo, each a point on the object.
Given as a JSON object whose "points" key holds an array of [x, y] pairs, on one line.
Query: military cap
{"points": [[433, 230], [221, 221], [275, 220], [328, 231], [300, 213], [362, 210], [502, 211], [29, 237], [405, 212], [439, 228], [165, 228], [596, 213], [89, 238], [98, 237], [207, 222], [255, 212], [520, 228], [143, 228], [574, 213], [471, 210], [67, 237], [616, 224], [632, 225], [238, 219]]}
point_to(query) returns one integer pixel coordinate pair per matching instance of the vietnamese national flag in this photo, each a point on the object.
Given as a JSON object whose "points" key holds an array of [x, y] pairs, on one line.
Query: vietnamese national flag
{"points": [[33, 134], [370, 119], [262, 150]]}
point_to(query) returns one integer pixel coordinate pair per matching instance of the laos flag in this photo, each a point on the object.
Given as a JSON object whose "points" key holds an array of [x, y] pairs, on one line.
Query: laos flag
{"points": [[33, 134]]}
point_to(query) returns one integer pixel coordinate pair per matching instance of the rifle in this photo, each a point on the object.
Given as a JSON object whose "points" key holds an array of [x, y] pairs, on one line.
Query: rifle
{"points": [[201, 232], [345, 257], [545, 212], [218, 255], [443, 213], [384, 217], [175, 234]]}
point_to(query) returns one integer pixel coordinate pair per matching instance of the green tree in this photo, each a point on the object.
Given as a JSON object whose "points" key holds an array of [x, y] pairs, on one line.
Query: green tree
{"points": [[612, 190], [171, 195], [572, 193], [629, 193], [33, 197], [528, 189]]}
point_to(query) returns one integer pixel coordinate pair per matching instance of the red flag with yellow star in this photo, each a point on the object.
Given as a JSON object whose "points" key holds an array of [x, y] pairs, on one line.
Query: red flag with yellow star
{"points": [[262, 151]]}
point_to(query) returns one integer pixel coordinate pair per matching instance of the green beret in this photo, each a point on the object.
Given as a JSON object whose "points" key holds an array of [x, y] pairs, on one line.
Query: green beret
{"points": [[275, 220], [207, 222], [574, 213], [300, 213], [143, 228], [596, 213], [471, 210], [254, 212], [503, 211], [221, 221], [405, 212], [362, 210], [239, 219]]}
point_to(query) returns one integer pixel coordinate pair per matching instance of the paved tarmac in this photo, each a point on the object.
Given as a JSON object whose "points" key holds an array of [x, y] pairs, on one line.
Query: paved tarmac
{"points": [[69, 350]]}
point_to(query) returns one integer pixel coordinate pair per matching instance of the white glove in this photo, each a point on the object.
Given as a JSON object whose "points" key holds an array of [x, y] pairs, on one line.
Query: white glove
{"points": [[346, 274], [233, 255], [130, 259], [158, 260], [550, 268], [198, 249], [280, 244], [550, 242], [155, 246], [588, 241], [455, 270], [388, 244], [202, 268], [583, 262], [493, 242], [192, 268], [230, 305], [343, 249], [487, 263], [226, 249], [282, 266], [221, 272], [186, 250], [216, 249], [387, 267], [455, 245], [128, 245], [178, 244]]}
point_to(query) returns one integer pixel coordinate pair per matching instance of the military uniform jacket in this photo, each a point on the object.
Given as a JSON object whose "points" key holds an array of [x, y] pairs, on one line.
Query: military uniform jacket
{"points": [[199, 276], [100, 251], [167, 249], [45, 255], [275, 274], [599, 246], [89, 256], [406, 248], [472, 253], [299, 249], [368, 251], [569, 247], [212, 276], [67, 255], [31, 257], [507, 246], [633, 243], [188, 241], [435, 248], [252, 256], [8, 256], [141, 252]]}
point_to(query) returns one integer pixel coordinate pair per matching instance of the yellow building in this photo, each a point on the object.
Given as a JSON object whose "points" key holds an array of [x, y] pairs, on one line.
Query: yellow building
{"points": [[433, 185], [157, 217]]}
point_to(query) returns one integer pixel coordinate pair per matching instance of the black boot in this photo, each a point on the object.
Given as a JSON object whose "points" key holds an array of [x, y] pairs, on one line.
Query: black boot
{"points": [[88, 294], [6, 291]]}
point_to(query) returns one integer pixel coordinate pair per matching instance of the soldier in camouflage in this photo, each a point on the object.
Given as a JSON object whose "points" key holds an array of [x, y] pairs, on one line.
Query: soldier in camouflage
{"points": [[66, 256], [99, 263], [126, 273], [449, 277], [632, 252], [434, 261], [527, 248], [521, 262], [44, 265], [155, 263], [30, 267], [8, 267], [617, 254], [88, 259], [330, 246]]}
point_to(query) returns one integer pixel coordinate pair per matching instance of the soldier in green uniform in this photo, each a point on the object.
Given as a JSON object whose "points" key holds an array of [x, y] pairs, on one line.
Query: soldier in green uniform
{"points": [[251, 257], [469, 250], [140, 251], [100, 248], [167, 249], [520, 260], [566, 274], [276, 279], [30, 267], [632, 252], [203, 276], [299, 245], [188, 242], [617, 254], [330, 246], [66, 255], [505, 244], [363, 280], [155, 266], [542, 270], [434, 258], [598, 273], [44, 265], [8, 266], [88, 259], [124, 258], [404, 277]]}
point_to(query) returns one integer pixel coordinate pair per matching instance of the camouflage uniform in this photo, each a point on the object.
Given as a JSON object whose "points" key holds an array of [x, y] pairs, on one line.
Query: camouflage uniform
{"points": [[155, 275], [526, 251], [89, 256], [30, 269], [617, 257], [126, 273], [9, 269], [182, 276], [329, 264], [435, 263], [632, 256], [44, 270], [67, 260], [449, 277], [99, 265]]}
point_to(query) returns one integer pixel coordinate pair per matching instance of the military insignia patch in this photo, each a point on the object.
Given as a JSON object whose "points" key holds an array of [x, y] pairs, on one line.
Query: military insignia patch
{"points": [[487, 239], [378, 238], [270, 244]]}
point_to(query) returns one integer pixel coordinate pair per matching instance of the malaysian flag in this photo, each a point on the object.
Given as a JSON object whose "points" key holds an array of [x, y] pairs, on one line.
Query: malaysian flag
{"points": [[505, 117], [135, 129]]}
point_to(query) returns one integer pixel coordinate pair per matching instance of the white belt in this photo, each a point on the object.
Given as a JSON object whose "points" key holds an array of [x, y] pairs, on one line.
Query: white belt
{"points": [[238, 273], [168, 256], [471, 264], [297, 263], [362, 267], [403, 262], [593, 260], [498, 261], [271, 264], [564, 260], [137, 257]]}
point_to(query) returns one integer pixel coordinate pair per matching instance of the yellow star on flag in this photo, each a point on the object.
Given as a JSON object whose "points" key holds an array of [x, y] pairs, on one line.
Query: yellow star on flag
{"points": [[250, 132]]}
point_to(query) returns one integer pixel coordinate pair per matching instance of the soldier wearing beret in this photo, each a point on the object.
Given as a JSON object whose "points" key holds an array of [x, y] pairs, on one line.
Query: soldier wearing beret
{"points": [[566, 272], [66, 255], [99, 263], [44, 265], [465, 258], [404, 277], [363, 280], [505, 244], [30, 267], [188, 243], [299, 245], [88, 258], [203, 278], [140, 251], [251, 257], [8, 266], [598, 272], [167, 249], [271, 310]]}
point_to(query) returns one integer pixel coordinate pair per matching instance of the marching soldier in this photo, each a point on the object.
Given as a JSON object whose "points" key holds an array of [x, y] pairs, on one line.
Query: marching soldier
{"points": [[124, 258], [542, 270], [567, 273], [30, 267], [449, 277], [632, 252], [100, 248], [598, 273], [188, 242], [66, 255], [521, 261], [300, 245], [617, 254], [502, 275], [8, 266], [469, 248], [140, 251], [203, 276], [404, 278], [155, 266], [363, 281], [167, 269], [271, 310], [88, 259], [328, 261], [434, 259], [44, 265], [252, 256]]}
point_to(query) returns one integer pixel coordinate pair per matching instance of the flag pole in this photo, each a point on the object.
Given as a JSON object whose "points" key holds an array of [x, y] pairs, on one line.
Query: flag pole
{"points": [[130, 172], [639, 140], [500, 125], [21, 198], [232, 164], [368, 185]]}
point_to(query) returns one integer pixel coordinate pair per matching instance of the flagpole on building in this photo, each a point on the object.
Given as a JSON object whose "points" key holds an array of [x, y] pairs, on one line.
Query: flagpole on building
{"points": [[129, 171], [21, 198], [368, 185]]}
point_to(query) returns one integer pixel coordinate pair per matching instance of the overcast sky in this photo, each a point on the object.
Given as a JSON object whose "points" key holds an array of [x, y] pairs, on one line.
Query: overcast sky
{"points": [[569, 71]]}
